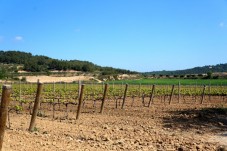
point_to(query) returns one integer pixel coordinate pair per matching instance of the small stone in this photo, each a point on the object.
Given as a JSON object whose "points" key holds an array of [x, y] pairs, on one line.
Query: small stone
{"points": [[70, 138], [105, 127], [199, 147], [54, 143], [119, 142], [36, 133], [220, 124], [199, 132], [180, 149], [106, 138], [158, 146], [136, 141]]}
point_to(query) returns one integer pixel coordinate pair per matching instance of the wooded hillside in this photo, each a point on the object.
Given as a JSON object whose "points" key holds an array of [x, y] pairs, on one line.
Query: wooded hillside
{"points": [[36, 63], [196, 70]]}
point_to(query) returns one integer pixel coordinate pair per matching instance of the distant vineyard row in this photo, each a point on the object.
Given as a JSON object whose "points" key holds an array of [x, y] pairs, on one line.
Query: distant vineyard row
{"points": [[70, 92]]}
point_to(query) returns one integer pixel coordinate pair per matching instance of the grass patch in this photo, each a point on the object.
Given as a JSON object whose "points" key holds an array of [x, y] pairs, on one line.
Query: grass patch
{"points": [[214, 82]]}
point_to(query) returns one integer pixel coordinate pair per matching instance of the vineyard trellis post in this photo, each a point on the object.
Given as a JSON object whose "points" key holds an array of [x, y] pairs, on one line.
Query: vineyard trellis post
{"points": [[179, 92], [19, 90], [79, 88], [152, 95], [80, 102], [203, 94], [104, 98], [223, 95], [54, 87], [171, 96], [6, 92], [54, 91], [65, 86], [125, 94], [209, 91], [139, 89], [196, 91], [36, 106], [165, 91]]}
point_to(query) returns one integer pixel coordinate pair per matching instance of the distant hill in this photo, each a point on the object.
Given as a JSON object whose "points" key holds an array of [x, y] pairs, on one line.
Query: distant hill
{"points": [[36, 63], [196, 70]]}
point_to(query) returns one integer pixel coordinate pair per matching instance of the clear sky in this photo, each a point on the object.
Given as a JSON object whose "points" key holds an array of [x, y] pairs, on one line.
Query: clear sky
{"points": [[139, 35]]}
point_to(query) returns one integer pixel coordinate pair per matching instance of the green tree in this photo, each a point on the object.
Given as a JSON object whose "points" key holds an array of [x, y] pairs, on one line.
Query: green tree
{"points": [[87, 68], [209, 75], [3, 73]]}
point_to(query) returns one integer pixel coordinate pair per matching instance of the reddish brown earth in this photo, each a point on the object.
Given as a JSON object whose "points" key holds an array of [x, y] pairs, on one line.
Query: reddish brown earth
{"points": [[179, 126]]}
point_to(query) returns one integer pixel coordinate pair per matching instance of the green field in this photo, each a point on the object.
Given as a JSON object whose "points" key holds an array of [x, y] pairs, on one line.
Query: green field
{"points": [[215, 82]]}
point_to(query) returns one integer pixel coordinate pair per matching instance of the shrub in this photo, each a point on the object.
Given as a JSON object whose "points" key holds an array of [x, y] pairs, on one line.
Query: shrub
{"points": [[23, 79]]}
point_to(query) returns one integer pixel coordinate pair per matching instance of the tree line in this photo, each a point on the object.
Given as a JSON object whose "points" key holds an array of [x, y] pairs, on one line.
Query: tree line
{"points": [[192, 71], [39, 63]]}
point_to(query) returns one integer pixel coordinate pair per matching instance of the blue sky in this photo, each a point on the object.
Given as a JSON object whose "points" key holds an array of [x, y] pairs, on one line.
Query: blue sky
{"points": [[139, 35]]}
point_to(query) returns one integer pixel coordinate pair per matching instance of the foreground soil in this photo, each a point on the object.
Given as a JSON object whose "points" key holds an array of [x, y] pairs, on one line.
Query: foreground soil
{"points": [[179, 126]]}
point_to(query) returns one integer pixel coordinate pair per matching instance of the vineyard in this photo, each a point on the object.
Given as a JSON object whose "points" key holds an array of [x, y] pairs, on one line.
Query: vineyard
{"points": [[65, 94], [61, 101]]}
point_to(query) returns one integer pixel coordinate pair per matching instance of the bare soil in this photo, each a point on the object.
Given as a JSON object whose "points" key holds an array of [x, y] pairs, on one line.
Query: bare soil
{"points": [[187, 125], [48, 79]]}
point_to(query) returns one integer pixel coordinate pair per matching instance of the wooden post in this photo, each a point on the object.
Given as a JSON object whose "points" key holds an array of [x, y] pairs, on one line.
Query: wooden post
{"points": [[196, 92], [165, 90], [139, 89], [152, 95], [79, 88], [125, 94], [36, 106], [171, 96], [209, 91], [54, 87], [223, 96], [203, 95], [179, 92], [80, 101], [20, 91], [104, 98], [6, 91]]}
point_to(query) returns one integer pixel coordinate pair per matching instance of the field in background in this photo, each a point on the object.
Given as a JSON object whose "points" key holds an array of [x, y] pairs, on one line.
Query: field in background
{"points": [[216, 82]]}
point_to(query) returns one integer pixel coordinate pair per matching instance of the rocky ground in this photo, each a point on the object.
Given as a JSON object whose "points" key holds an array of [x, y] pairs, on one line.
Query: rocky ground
{"points": [[184, 126]]}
